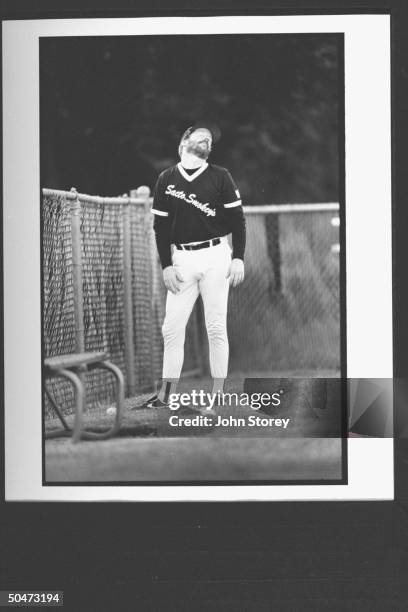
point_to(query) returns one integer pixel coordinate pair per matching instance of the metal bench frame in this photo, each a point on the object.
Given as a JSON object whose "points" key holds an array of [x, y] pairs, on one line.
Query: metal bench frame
{"points": [[72, 367]]}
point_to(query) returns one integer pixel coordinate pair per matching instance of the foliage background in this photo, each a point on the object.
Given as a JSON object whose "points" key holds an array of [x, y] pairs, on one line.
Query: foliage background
{"points": [[113, 109]]}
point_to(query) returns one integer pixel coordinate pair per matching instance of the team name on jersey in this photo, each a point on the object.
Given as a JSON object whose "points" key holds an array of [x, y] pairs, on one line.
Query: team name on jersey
{"points": [[190, 199]]}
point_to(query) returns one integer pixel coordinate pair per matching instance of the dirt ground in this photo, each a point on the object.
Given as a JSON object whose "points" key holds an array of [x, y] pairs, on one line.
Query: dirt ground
{"points": [[149, 450]]}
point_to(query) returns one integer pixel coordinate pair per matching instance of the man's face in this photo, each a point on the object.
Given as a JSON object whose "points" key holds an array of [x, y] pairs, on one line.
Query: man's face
{"points": [[199, 143]]}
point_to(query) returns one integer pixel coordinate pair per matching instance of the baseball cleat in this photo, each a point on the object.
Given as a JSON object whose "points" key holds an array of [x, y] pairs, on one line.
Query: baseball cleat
{"points": [[156, 402], [152, 402]]}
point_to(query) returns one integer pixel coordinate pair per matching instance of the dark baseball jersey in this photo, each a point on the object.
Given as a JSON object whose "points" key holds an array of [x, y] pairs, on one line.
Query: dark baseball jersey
{"points": [[196, 207]]}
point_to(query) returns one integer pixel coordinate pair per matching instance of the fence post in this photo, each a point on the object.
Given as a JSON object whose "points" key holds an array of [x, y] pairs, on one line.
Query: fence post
{"points": [[145, 337], [155, 289], [144, 192], [77, 273], [127, 265], [272, 226]]}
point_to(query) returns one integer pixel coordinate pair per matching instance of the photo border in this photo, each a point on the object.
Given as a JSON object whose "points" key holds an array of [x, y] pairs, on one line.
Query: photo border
{"points": [[343, 478], [350, 442]]}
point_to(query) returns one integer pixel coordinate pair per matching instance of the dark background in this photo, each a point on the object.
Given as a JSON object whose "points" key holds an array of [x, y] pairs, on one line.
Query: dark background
{"points": [[288, 556], [113, 110]]}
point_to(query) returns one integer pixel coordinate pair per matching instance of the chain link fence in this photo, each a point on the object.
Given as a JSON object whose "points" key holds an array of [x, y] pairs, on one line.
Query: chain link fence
{"points": [[284, 316], [122, 298]]}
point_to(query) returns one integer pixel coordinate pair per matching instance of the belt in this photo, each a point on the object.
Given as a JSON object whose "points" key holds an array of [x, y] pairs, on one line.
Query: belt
{"points": [[200, 245]]}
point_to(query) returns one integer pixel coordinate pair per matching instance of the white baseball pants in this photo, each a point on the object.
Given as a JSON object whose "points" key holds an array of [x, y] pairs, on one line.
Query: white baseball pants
{"points": [[203, 271]]}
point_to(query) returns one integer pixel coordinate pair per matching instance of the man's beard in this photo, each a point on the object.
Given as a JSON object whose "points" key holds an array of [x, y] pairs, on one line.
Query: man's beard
{"points": [[199, 150]]}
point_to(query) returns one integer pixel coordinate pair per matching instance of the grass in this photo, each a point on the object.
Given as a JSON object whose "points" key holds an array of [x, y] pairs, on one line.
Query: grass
{"points": [[148, 449]]}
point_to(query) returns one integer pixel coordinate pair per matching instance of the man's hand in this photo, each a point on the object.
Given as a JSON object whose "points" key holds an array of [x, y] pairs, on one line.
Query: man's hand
{"points": [[172, 279], [236, 272]]}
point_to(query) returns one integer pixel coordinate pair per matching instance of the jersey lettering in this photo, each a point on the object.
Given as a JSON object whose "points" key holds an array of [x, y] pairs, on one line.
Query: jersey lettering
{"points": [[190, 199]]}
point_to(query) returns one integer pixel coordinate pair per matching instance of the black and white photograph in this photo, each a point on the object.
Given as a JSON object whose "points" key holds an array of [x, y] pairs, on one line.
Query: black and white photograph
{"points": [[205, 344], [191, 192], [199, 316]]}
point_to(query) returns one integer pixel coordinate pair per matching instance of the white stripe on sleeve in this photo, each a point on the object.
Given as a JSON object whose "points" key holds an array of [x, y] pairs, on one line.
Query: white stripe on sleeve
{"points": [[160, 213], [233, 204]]}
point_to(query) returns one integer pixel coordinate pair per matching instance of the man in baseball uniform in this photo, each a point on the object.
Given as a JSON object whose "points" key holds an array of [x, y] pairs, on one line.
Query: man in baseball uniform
{"points": [[196, 205]]}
